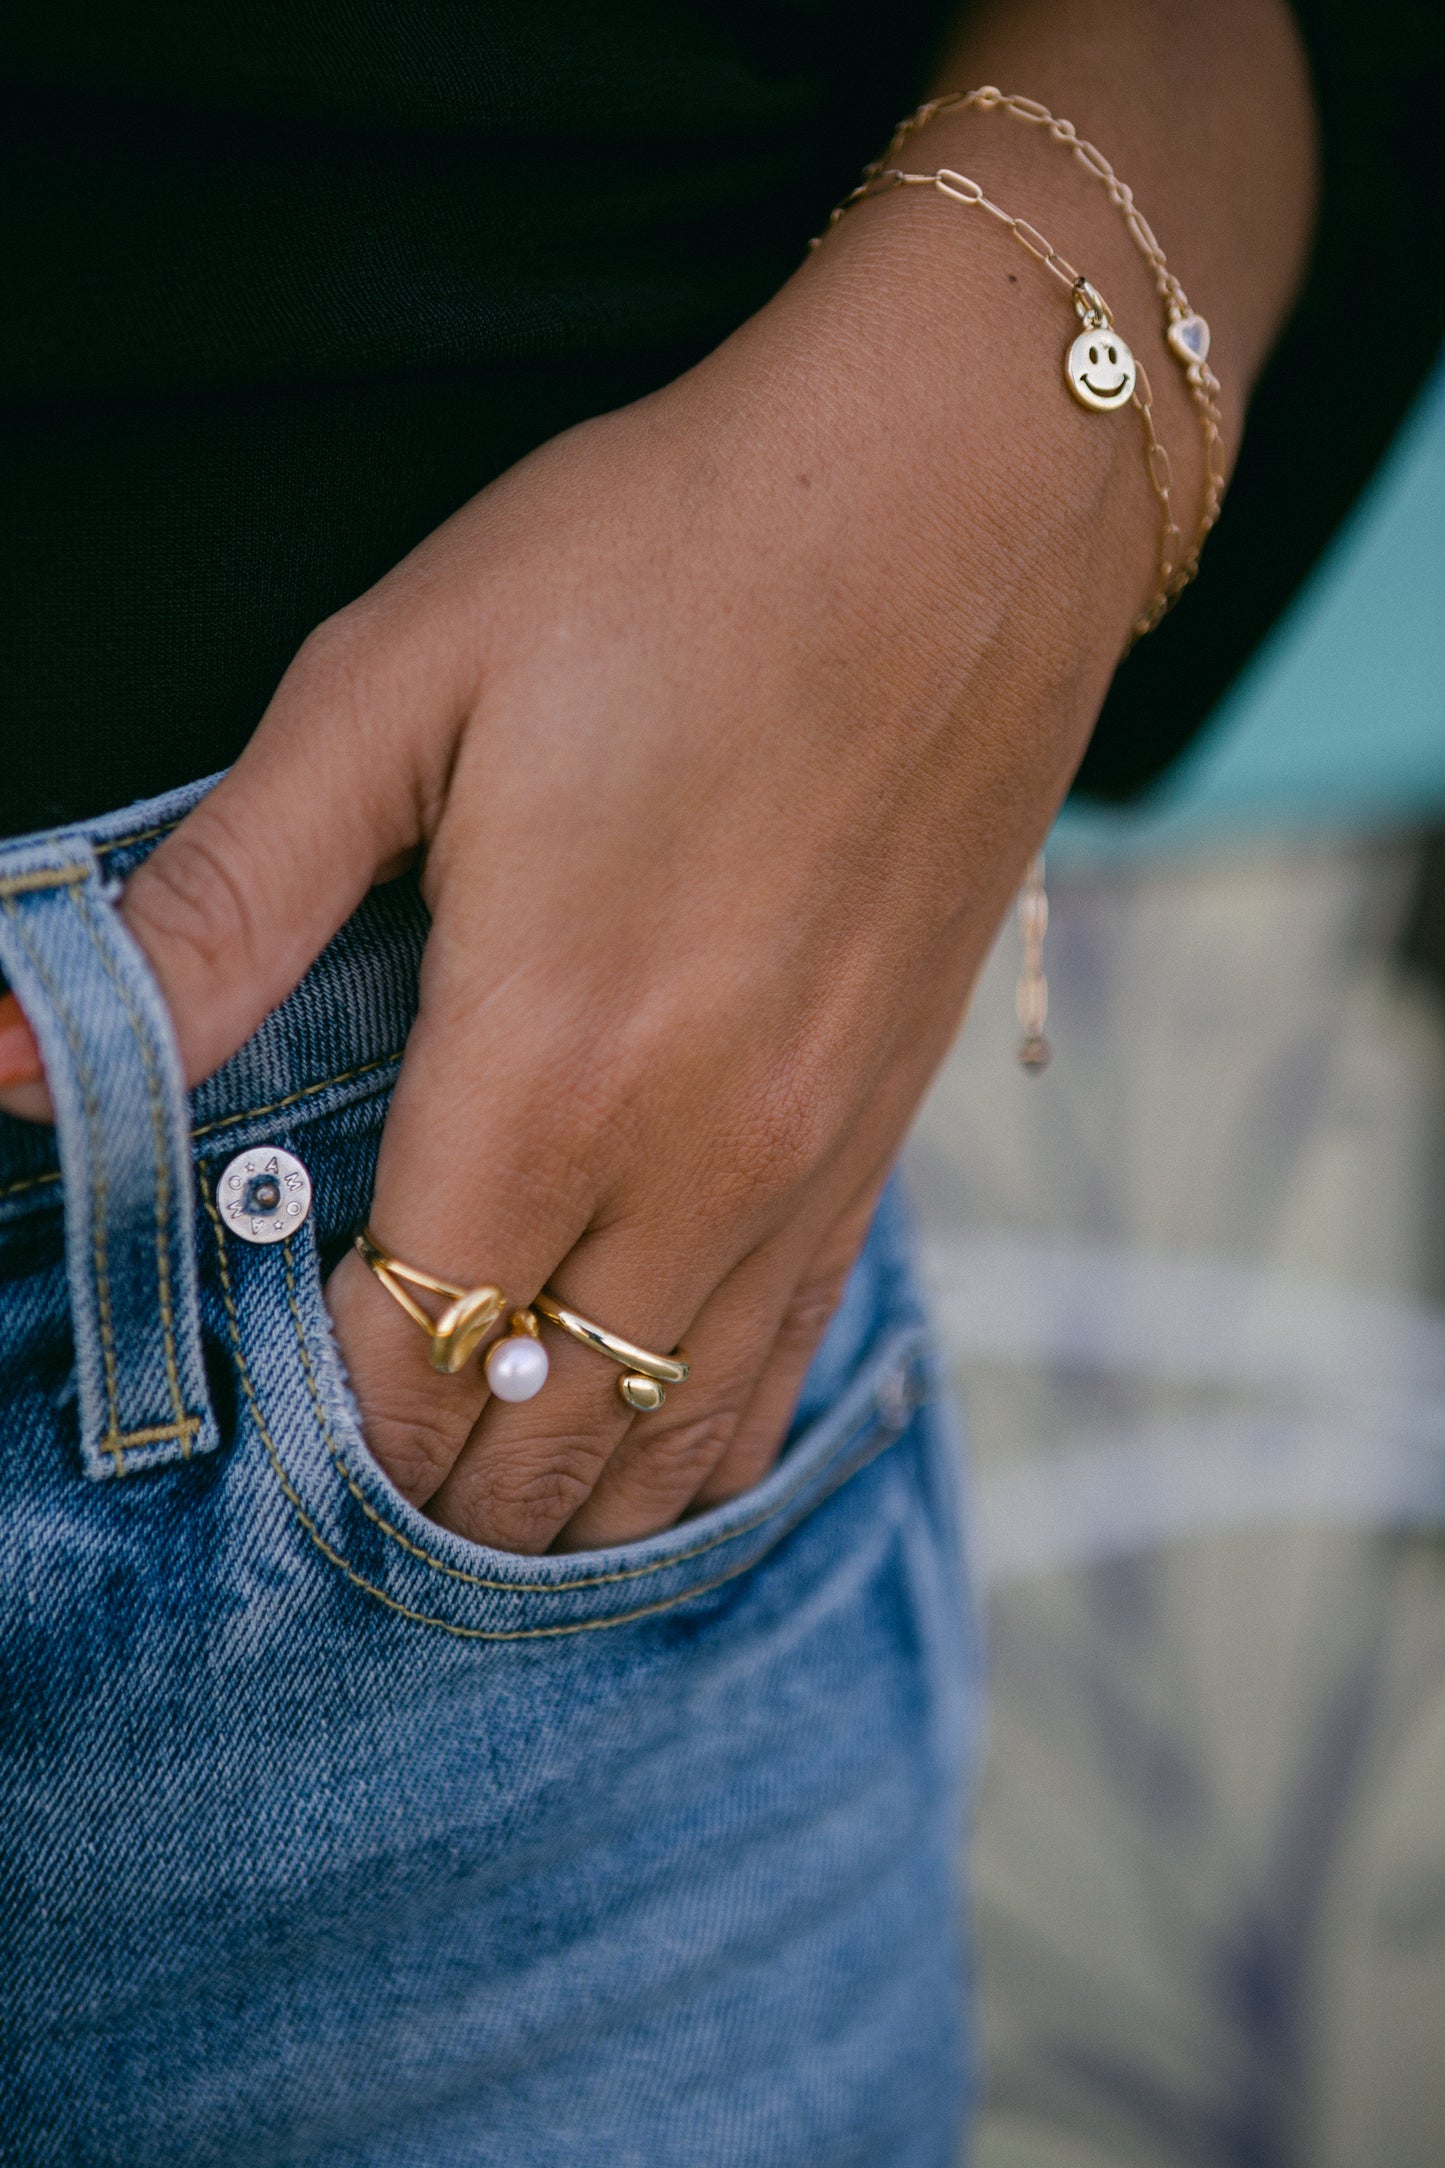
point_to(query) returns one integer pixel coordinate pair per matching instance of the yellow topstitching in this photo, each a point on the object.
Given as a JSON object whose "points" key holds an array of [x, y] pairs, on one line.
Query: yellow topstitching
{"points": [[876, 1444], [161, 1145]]}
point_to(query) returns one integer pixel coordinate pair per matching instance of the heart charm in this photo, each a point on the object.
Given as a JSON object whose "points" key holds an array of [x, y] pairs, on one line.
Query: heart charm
{"points": [[1189, 337]]}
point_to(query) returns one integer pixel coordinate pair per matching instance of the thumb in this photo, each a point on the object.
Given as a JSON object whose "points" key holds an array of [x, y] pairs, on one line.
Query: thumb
{"points": [[22, 1088], [233, 907]]}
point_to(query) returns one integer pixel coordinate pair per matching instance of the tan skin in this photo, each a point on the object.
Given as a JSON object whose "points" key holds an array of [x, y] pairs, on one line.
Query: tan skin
{"points": [[723, 727]]}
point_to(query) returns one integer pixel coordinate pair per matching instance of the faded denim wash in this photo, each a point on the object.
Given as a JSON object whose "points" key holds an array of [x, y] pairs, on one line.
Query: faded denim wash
{"points": [[331, 1838]]}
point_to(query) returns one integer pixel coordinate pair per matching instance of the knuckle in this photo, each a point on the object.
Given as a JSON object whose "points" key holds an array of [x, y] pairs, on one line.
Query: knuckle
{"points": [[524, 1501], [779, 1146], [788, 1128], [415, 1444], [742, 1468], [338, 670], [677, 1458], [190, 895], [810, 1310], [595, 1108], [329, 657]]}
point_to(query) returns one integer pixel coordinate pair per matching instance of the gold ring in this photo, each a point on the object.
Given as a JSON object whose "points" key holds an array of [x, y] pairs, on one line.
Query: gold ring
{"points": [[469, 1315], [644, 1374]]}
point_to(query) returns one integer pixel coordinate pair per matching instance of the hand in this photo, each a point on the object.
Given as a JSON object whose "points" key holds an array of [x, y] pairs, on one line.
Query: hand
{"points": [[712, 850], [723, 758], [723, 727]]}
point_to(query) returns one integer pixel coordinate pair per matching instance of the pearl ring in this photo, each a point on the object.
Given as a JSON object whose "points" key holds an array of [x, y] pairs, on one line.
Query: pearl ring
{"points": [[516, 1366]]}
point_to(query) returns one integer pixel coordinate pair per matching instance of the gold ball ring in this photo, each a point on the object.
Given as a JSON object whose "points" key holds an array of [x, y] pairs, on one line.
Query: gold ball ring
{"points": [[644, 1374]]}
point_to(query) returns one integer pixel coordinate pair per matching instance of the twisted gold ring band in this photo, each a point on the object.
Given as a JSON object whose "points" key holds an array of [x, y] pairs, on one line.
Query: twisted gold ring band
{"points": [[644, 1374]]}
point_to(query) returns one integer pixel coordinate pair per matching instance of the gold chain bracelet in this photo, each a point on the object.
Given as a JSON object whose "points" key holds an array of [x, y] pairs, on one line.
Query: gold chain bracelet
{"points": [[1129, 384], [1186, 335]]}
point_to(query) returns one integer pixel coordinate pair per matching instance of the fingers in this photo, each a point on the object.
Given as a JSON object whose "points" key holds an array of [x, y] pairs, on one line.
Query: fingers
{"points": [[488, 1230], [811, 1305], [494, 1165], [416, 1422], [657, 1462], [780, 1301], [576, 1470], [527, 1469], [22, 1075], [666, 1460], [233, 906], [330, 795], [334, 791], [541, 1116], [574, 1466]]}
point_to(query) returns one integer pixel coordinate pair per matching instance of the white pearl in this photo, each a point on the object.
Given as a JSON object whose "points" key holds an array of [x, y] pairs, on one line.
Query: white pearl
{"points": [[517, 1368]]}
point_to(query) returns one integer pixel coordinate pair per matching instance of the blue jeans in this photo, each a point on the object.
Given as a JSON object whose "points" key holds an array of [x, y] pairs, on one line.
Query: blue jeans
{"points": [[329, 1837]]}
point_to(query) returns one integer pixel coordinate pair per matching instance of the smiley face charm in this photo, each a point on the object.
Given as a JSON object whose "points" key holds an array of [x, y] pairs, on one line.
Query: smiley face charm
{"points": [[1100, 369]]}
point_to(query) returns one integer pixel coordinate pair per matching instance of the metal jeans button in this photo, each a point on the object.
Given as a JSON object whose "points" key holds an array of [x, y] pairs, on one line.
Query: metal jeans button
{"points": [[264, 1195]]}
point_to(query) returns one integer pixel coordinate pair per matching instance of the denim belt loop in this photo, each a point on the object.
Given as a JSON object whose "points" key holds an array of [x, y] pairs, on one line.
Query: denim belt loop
{"points": [[123, 1133]]}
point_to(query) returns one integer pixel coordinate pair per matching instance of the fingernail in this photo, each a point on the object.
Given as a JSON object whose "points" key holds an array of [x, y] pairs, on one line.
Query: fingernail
{"points": [[20, 1061]]}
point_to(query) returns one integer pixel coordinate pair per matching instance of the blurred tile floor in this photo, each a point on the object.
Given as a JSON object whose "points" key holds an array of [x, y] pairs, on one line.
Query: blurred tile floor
{"points": [[1191, 1282]]}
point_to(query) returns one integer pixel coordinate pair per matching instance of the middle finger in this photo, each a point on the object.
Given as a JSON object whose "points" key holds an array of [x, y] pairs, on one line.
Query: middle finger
{"points": [[527, 1467]]}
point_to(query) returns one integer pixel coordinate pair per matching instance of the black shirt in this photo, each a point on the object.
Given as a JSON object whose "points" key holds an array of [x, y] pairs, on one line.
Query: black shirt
{"points": [[288, 284]]}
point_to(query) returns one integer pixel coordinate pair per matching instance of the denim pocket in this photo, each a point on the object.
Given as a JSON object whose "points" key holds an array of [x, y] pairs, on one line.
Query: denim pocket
{"points": [[293, 1398]]}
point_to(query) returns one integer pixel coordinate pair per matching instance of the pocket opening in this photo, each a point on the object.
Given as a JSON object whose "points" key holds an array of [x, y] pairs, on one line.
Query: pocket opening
{"points": [[294, 1395]]}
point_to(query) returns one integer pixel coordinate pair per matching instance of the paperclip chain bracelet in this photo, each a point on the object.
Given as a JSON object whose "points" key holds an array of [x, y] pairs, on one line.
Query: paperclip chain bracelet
{"points": [[1186, 335], [1101, 369]]}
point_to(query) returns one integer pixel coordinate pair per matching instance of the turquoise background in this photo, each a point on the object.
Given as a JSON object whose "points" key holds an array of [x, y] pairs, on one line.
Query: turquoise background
{"points": [[1338, 724]]}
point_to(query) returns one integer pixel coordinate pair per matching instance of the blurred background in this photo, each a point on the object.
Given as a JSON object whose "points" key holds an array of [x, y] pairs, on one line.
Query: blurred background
{"points": [[1191, 1283]]}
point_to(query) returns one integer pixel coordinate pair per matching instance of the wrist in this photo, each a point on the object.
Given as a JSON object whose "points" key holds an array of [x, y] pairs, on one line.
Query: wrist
{"points": [[900, 407], [1136, 72]]}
